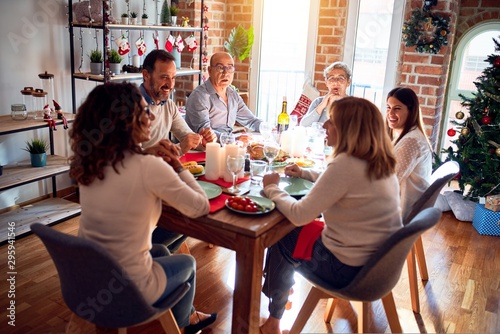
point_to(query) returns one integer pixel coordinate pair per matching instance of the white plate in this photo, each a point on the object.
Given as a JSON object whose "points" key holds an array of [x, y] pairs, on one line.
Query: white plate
{"points": [[304, 163], [265, 202], [295, 186], [212, 190]]}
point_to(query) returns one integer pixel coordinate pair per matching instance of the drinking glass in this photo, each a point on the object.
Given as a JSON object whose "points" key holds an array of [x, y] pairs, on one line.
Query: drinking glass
{"points": [[257, 170], [227, 138], [265, 129], [271, 151], [235, 164], [294, 120]]}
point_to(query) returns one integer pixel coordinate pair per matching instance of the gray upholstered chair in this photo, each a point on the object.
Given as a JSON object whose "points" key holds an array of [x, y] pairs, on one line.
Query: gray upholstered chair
{"points": [[439, 179], [95, 288], [374, 281]]}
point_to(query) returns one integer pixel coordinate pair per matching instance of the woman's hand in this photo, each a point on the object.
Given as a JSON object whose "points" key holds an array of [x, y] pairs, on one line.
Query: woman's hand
{"points": [[293, 170], [273, 178]]}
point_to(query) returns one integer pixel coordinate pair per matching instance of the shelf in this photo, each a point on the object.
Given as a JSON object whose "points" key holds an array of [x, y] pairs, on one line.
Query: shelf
{"points": [[48, 211], [135, 27], [8, 125], [22, 173], [130, 76]]}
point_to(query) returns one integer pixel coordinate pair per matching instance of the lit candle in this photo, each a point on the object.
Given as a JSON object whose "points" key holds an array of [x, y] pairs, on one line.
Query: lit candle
{"points": [[136, 61]]}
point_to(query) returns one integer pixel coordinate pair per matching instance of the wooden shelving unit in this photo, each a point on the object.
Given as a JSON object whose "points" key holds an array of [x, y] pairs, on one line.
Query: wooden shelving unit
{"points": [[48, 211]]}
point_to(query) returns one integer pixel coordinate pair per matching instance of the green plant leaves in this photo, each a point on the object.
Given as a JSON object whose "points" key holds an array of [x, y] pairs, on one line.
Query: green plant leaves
{"points": [[239, 43]]}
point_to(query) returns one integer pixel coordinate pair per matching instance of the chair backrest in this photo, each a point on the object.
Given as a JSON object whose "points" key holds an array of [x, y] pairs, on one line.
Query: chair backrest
{"points": [[439, 179], [382, 271], [93, 284]]}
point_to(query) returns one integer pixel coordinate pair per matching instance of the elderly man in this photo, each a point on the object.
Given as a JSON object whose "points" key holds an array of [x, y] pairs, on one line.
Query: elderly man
{"points": [[159, 79], [215, 103]]}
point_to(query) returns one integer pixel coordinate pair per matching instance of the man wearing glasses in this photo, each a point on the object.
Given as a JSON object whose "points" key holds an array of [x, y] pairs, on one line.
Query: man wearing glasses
{"points": [[216, 104], [337, 79]]}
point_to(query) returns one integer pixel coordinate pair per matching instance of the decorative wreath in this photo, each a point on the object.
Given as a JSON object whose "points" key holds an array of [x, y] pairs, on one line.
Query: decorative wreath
{"points": [[426, 31]]}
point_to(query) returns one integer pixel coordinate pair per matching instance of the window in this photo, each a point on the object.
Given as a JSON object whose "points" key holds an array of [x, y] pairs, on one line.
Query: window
{"points": [[468, 64]]}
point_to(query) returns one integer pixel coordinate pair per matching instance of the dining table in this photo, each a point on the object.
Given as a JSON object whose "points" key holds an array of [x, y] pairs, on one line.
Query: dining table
{"points": [[248, 235]]}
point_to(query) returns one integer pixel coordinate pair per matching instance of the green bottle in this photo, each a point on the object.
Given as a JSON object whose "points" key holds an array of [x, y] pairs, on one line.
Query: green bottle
{"points": [[283, 118]]}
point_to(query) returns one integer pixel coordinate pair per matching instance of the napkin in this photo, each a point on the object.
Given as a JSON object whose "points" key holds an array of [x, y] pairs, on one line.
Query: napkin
{"points": [[218, 202], [222, 183], [307, 237], [194, 156]]}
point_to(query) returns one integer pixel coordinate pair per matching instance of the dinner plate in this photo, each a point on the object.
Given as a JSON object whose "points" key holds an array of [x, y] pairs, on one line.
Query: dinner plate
{"points": [[199, 174], [301, 162], [295, 186], [265, 202], [212, 190]]}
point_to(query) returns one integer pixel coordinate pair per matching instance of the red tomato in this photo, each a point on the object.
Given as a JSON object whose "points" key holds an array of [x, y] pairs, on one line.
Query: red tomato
{"points": [[241, 207]]}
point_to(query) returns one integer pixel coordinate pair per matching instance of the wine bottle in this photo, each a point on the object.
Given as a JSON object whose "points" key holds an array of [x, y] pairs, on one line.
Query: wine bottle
{"points": [[283, 118]]}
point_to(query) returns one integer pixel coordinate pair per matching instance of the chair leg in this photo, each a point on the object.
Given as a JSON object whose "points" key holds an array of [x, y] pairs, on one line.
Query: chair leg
{"points": [[330, 308], [305, 312], [412, 278], [361, 309], [168, 323], [422, 265], [391, 313], [184, 249]]}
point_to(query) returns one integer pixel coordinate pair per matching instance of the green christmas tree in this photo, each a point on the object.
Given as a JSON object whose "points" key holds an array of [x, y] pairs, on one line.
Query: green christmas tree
{"points": [[478, 145]]}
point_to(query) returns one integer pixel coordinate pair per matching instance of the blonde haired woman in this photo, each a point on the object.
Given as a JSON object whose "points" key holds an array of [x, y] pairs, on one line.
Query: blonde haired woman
{"points": [[357, 194]]}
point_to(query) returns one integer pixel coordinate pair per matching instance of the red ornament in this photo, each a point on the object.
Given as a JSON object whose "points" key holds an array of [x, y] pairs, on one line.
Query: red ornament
{"points": [[451, 132], [496, 62], [486, 120]]}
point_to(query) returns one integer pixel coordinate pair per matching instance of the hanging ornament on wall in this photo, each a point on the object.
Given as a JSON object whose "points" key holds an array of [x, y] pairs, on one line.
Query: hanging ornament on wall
{"points": [[459, 115], [451, 132]]}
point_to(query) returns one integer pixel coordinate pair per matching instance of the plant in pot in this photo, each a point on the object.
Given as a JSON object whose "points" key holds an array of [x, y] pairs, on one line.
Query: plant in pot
{"points": [[114, 61], [144, 19], [240, 41], [96, 60], [37, 149], [174, 10], [124, 18], [133, 18], [165, 14]]}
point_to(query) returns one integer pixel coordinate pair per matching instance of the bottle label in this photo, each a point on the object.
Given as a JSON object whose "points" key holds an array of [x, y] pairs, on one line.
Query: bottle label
{"points": [[282, 127]]}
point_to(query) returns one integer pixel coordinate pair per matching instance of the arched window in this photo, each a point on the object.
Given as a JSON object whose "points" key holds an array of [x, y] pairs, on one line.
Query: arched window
{"points": [[467, 65]]}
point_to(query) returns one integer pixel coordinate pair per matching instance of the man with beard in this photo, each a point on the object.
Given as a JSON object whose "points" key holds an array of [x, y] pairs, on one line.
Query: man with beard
{"points": [[159, 73], [216, 104]]}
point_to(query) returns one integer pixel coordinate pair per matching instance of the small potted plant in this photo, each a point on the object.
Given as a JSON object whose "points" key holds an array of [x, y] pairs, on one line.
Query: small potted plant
{"points": [[124, 18], [144, 19], [133, 18], [37, 149], [174, 10], [114, 61], [96, 60]]}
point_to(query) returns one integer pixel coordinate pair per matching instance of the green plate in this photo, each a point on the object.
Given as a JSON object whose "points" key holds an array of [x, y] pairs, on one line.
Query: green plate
{"points": [[264, 202], [212, 190], [295, 186]]}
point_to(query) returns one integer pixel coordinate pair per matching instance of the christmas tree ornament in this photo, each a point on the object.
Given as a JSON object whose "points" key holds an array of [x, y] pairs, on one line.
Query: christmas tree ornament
{"points": [[486, 120], [141, 46], [465, 131], [459, 115], [451, 132], [496, 62], [485, 111], [497, 151], [123, 45]]}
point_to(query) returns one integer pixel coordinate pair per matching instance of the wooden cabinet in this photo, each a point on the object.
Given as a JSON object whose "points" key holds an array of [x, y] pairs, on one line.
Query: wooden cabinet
{"points": [[48, 211]]}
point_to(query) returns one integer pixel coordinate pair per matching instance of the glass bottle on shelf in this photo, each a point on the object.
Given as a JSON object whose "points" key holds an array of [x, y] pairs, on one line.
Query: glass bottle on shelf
{"points": [[18, 112], [47, 82], [283, 118], [40, 100], [27, 94]]}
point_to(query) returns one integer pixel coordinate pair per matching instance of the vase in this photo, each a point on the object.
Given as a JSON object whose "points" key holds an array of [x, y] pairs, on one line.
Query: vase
{"points": [[144, 22], [173, 19], [177, 57], [115, 68], [95, 68], [124, 20], [133, 20], [38, 159]]}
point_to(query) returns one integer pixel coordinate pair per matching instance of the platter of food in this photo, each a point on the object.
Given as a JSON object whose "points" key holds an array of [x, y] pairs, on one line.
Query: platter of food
{"points": [[212, 190], [301, 162], [250, 205]]}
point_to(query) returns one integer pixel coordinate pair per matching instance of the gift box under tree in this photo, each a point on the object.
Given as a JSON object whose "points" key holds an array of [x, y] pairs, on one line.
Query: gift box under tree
{"points": [[486, 221]]}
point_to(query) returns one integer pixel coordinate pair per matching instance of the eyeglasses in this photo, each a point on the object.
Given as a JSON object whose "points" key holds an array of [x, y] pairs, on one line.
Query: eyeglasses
{"points": [[339, 80], [221, 68]]}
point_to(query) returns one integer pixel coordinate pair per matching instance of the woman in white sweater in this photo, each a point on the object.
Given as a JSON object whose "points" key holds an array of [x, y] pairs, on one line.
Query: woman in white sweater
{"points": [[412, 148], [121, 194], [357, 194]]}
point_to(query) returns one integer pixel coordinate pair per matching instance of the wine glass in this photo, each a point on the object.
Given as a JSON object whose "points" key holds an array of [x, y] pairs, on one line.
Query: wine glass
{"points": [[227, 138], [235, 164], [265, 129], [271, 151]]}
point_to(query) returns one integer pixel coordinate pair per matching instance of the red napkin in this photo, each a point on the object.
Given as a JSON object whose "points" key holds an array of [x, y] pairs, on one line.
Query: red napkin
{"points": [[222, 183], [307, 237], [194, 156], [218, 202]]}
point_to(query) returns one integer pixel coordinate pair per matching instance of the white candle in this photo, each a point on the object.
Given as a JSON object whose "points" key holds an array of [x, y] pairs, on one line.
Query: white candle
{"points": [[136, 61], [212, 163], [299, 140], [222, 161]]}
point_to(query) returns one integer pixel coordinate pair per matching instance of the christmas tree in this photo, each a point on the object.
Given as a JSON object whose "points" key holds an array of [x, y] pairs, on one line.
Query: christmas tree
{"points": [[478, 145]]}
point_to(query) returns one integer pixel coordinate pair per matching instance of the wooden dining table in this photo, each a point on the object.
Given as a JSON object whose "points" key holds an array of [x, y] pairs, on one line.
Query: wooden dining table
{"points": [[248, 236]]}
